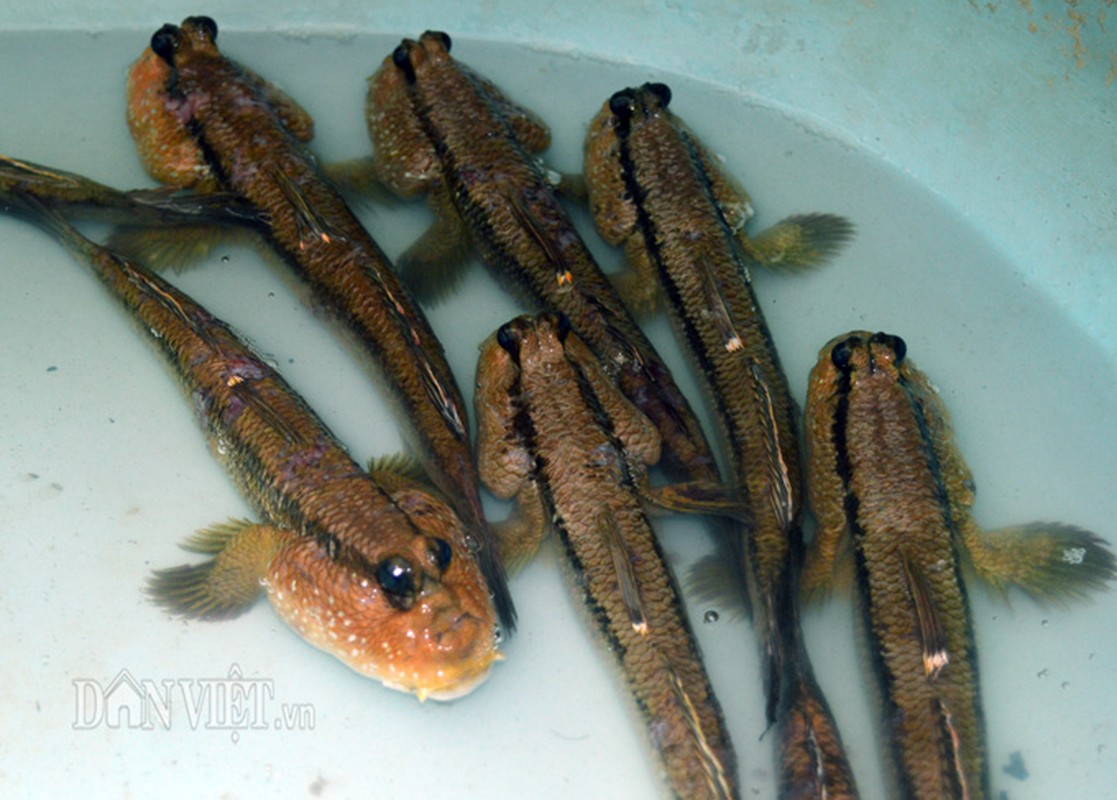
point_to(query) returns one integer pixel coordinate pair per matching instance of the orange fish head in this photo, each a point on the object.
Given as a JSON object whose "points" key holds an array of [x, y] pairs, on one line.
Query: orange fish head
{"points": [[169, 152], [411, 610]]}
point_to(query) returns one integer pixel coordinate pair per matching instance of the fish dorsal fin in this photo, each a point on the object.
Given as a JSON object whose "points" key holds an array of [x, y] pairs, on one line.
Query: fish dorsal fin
{"points": [[779, 477], [308, 222], [717, 307], [622, 564], [530, 223], [932, 634]]}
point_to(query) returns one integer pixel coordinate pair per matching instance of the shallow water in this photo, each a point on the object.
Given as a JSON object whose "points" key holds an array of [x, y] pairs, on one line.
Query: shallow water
{"points": [[103, 471]]}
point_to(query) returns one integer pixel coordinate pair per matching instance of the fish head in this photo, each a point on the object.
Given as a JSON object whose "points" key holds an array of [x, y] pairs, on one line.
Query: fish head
{"points": [[539, 340], [158, 121], [856, 356], [402, 601], [411, 58], [195, 33]]}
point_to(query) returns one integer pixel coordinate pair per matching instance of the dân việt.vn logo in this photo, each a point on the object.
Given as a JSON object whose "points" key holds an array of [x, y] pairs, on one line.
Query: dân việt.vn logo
{"points": [[232, 703]]}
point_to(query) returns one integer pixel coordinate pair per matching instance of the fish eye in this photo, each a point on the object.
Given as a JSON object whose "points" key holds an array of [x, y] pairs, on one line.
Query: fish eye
{"points": [[507, 338], [163, 42], [894, 343], [662, 92], [442, 37], [396, 577], [401, 57], [205, 24], [621, 103], [441, 551], [843, 352]]}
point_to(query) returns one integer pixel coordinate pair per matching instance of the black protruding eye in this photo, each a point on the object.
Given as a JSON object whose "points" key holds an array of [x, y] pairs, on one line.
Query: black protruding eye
{"points": [[396, 577], [507, 338], [621, 103], [563, 327], [205, 24], [401, 57], [163, 42], [897, 345], [843, 352], [662, 92], [441, 36], [442, 552]]}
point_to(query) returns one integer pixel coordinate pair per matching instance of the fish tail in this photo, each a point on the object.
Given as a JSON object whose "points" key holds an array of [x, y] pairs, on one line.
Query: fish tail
{"points": [[802, 240], [813, 762], [35, 210], [230, 581]]}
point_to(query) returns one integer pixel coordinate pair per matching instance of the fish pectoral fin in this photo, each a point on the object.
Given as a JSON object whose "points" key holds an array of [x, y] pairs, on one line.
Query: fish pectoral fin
{"points": [[621, 556], [699, 497], [1050, 561], [396, 471], [521, 533], [229, 582], [358, 177], [713, 581], [800, 241], [177, 247], [571, 185], [434, 266], [932, 632]]}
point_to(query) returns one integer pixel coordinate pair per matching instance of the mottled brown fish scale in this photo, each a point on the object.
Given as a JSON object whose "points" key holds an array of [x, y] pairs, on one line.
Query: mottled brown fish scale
{"points": [[901, 514], [256, 155], [587, 472], [653, 187], [485, 144], [868, 426]]}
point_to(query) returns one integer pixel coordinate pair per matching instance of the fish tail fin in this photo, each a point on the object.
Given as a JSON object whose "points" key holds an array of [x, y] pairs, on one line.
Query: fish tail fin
{"points": [[802, 240], [229, 582], [1050, 561], [813, 761], [36, 211]]}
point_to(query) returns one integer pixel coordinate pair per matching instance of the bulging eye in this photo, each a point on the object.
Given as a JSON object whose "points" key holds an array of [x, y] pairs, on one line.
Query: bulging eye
{"points": [[396, 577], [843, 352], [442, 37], [206, 25], [507, 338], [401, 57], [442, 553], [662, 92], [894, 343], [163, 42], [621, 103]]}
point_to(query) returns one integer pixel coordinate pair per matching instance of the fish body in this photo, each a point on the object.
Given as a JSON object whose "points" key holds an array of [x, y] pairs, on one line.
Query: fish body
{"points": [[380, 578], [201, 120], [557, 434], [887, 481], [440, 128], [654, 188]]}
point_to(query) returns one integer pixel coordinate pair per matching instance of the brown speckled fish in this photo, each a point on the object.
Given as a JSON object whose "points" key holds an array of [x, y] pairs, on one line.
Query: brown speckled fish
{"points": [[375, 572], [886, 480], [653, 187], [439, 128], [202, 121], [555, 433]]}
